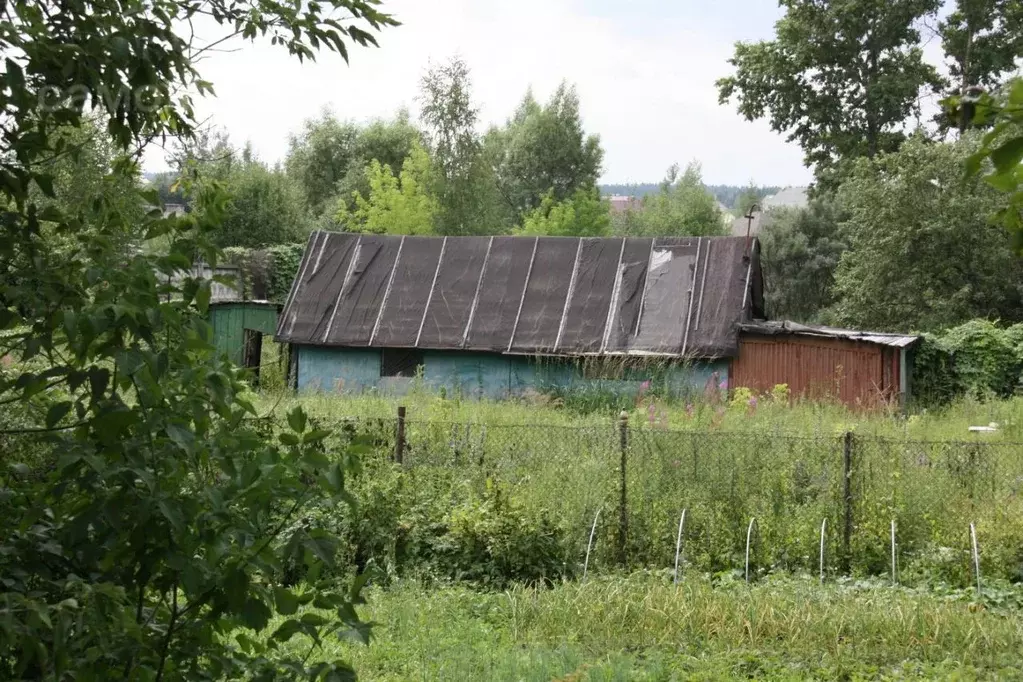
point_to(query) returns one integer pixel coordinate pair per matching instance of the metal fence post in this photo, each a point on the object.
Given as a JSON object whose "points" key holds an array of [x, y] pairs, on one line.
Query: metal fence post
{"points": [[623, 519], [847, 501], [399, 437]]}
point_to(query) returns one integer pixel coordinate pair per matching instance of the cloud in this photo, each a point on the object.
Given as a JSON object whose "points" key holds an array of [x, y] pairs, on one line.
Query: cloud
{"points": [[646, 83]]}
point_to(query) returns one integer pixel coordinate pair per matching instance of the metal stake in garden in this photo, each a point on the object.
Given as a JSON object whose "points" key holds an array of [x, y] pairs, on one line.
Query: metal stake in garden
{"points": [[678, 544], [749, 534], [895, 572], [824, 526], [976, 557], [589, 545]]}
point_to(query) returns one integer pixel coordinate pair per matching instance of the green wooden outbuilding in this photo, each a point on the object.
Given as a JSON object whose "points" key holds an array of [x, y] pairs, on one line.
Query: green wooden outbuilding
{"points": [[239, 326]]}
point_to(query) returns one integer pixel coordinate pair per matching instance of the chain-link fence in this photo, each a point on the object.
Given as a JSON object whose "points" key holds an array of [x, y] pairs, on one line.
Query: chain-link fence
{"points": [[844, 487]]}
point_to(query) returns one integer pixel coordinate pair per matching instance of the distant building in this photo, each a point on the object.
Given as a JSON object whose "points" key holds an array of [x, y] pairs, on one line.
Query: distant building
{"points": [[790, 197], [621, 203]]}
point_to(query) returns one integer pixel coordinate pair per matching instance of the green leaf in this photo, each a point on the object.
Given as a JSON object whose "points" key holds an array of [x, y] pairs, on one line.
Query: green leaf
{"points": [[1008, 155], [289, 439], [286, 630], [297, 420], [287, 602], [202, 297], [314, 619], [255, 614], [20, 468], [172, 514], [183, 437], [45, 183], [56, 413], [315, 436]]}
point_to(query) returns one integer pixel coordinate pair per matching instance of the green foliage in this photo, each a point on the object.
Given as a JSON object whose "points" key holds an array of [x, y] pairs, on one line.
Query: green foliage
{"points": [[266, 272], [985, 359], [1000, 156], [466, 183], [641, 627], [428, 523], [683, 207], [329, 158], [395, 205], [840, 79], [284, 262], [265, 208], [320, 157], [934, 380], [939, 261], [151, 548], [800, 250], [542, 151], [584, 214], [982, 40]]}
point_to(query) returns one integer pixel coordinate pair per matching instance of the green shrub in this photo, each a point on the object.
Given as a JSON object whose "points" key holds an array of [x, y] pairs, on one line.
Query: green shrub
{"points": [[492, 541], [935, 381], [985, 358]]}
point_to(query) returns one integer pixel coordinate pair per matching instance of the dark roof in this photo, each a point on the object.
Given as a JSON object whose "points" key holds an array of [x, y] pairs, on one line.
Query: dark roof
{"points": [[525, 295], [775, 328]]}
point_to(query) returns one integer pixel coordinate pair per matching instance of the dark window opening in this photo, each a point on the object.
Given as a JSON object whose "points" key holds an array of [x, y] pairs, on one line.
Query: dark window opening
{"points": [[400, 362]]}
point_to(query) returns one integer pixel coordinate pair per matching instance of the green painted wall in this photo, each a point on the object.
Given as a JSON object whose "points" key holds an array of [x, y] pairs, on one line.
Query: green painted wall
{"points": [[230, 320], [491, 375]]}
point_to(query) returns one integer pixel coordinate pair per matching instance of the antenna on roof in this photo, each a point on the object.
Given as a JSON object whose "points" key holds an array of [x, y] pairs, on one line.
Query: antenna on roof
{"points": [[749, 227]]}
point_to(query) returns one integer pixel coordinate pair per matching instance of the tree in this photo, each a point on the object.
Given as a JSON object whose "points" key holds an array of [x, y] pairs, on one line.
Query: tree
{"points": [[840, 78], [982, 40], [1000, 155], [329, 158], [543, 151], [923, 253], [584, 214], [395, 205], [466, 187], [800, 249], [750, 195], [266, 207], [683, 207], [320, 157], [147, 538]]}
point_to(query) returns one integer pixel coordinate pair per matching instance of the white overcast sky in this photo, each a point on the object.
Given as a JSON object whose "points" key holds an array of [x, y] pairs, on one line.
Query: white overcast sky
{"points": [[644, 70]]}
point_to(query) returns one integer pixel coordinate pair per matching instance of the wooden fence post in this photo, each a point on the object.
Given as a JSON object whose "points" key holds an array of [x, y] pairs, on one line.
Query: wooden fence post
{"points": [[399, 438]]}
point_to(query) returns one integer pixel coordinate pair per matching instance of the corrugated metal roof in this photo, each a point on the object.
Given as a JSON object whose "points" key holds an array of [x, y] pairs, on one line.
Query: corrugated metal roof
{"points": [[771, 328], [525, 295]]}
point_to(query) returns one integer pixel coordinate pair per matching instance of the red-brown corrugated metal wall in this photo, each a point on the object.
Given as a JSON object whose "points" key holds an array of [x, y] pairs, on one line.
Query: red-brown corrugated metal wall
{"points": [[858, 374]]}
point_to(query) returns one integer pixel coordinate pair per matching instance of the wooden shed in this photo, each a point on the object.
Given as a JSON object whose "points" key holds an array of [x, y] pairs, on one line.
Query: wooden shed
{"points": [[239, 326], [860, 369]]}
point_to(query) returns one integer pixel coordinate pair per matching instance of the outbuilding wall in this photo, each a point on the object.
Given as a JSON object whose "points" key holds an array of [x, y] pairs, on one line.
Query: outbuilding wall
{"points": [[857, 373], [487, 375], [230, 320]]}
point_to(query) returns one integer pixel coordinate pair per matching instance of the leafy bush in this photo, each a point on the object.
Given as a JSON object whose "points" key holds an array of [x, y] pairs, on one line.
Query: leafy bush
{"points": [[266, 272], [934, 379], [493, 541], [436, 524], [985, 359]]}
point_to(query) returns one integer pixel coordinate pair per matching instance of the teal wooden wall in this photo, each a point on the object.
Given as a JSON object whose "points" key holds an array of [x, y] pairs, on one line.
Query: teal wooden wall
{"points": [[230, 320], [490, 375]]}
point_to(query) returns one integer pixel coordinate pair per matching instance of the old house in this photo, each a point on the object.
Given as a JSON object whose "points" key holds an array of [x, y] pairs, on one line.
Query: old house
{"points": [[500, 316]]}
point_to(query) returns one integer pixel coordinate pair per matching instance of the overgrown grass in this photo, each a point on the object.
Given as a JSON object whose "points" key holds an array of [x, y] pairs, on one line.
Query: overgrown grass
{"points": [[642, 628], [768, 416]]}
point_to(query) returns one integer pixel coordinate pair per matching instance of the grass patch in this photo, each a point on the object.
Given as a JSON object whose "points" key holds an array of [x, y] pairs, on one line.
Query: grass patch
{"points": [[642, 628]]}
